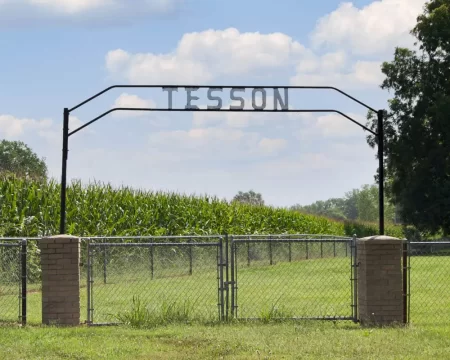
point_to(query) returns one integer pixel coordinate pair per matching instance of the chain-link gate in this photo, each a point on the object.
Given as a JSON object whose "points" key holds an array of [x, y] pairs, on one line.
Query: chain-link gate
{"points": [[293, 277], [155, 279], [13, 280], [210, 278]]}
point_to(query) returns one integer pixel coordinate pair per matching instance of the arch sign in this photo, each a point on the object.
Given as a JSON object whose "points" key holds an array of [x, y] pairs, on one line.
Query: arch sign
{"points": [[259, 98], [216, 95]]}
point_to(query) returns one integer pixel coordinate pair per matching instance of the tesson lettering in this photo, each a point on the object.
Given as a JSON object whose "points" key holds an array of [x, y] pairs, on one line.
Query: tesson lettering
{"points": [[259, 98]]}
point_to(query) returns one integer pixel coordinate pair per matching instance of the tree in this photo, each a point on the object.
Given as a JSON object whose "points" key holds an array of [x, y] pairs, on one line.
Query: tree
{"points": [[351, 204], [331, 208], [367, 203], [417, 125], [17, 158], [249, 197]]}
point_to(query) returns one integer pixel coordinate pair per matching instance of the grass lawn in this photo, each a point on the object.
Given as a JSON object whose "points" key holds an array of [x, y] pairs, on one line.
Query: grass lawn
{"points": [[288, 340]]}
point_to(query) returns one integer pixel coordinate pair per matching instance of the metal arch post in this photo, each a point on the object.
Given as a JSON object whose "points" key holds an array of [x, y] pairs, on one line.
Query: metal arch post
{"points": [[380, 134], [65, 152]]}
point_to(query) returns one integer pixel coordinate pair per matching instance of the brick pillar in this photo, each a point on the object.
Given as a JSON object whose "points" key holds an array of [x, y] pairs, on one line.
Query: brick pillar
{"points": [[380, 287], [60, 262]]}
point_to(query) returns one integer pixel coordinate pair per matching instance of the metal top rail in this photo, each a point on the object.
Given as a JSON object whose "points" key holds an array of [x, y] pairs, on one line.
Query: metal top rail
{"points": [[291, 240], [200, 244], [19, 238], [322, 236], [149, 237], [236, 237], [446, 242]]}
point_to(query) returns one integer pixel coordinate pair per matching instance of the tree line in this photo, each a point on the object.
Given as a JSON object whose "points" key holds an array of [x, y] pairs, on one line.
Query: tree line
{"points": [[356, 205]]}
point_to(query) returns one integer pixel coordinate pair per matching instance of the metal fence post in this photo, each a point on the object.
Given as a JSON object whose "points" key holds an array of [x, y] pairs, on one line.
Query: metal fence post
{"points": [[152, 268], [248, 251], [88, 285], [290, 251], [334, 249], [233, 276], [321, 249], [405, 282], [23, 258], [409, 279], [270, 250], [354, 261], [104, 264], [190, 257], [307, 250], [227, 288], [221, 263]]}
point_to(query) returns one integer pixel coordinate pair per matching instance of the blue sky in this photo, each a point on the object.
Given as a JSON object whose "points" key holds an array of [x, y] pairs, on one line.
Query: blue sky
{"points": [[57, 53]]}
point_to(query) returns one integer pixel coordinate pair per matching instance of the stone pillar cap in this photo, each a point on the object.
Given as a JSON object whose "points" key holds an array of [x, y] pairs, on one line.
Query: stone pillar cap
{"points": [[381, 238], [62, 236]]}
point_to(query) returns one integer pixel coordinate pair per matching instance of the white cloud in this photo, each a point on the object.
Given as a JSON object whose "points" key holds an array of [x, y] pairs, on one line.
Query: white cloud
{"points": [[53, 132], [71, 6], [373, 29], [296, 166], [357, 75], [204, 56], [331, 127], [196, 138], [13, 127], [74, 122], [336, 69], [82, 11], [311, 62], [126, 100], [367, 72], [217, 142], [335, 125], [117, 60]]}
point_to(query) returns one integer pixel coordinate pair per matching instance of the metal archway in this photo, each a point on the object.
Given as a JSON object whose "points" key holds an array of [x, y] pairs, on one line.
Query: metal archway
{"points": [[170, 88]]}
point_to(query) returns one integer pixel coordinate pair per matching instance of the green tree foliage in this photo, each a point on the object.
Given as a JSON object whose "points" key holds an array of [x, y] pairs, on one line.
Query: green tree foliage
{"points": [[417, 150], [18, 159], [356, 205], [249, 197], [332, 208]]}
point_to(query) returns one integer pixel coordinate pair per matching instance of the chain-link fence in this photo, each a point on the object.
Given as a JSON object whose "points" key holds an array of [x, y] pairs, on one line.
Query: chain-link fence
{"points": [[429, 282], [154, 279], [13, 263], [294, 276], [264, 277]]}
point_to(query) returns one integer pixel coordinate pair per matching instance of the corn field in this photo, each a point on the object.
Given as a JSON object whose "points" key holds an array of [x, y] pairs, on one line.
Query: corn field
{"points": [[31, 208]]}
